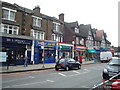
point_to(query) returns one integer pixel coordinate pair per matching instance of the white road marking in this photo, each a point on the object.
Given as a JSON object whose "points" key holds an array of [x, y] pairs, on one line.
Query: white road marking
{"points": [[76, 72], [50, 81], [62, 74], [31, 77]]}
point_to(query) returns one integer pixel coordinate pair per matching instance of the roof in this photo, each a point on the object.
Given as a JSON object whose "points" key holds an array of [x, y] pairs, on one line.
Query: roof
{"points": [[84, 30], [72, 24], [99, 34], [108, 42]]}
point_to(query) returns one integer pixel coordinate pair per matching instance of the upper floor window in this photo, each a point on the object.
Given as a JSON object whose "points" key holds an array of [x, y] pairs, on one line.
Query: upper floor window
{"points": [[56, 37], [82, 41], [8, 14], [76, 30], [56, 26], [37, 34], [9, 29], [36, 21], [77, 40], [90, 33]]}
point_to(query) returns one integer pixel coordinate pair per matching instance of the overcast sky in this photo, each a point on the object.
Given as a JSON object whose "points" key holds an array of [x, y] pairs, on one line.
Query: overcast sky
{"points": [[101, 14]]}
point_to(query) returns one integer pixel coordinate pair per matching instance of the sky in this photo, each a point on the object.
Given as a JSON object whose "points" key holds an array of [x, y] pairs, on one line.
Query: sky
{"points": [[101, 14]]}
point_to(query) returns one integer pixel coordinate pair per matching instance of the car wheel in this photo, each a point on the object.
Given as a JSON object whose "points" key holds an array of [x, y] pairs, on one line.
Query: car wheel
{"points": [[67, 68], [79, 67], [105, 76], [56, 69]]}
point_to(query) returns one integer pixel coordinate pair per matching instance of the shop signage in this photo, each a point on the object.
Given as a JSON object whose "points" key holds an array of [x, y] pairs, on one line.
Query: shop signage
{"points": [[46, 44], [80, 48], [16, 40], [65, 48], [3, 56]]}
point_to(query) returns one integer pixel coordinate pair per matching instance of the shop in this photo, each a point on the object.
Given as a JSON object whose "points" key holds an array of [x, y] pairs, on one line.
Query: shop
{"points": [[81, 52], [90, 54], [44, 52], [65, 50], [16, 49]]}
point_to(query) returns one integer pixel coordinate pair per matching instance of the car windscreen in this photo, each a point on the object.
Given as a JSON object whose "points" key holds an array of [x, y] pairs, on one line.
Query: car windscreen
{"points": [[61, 61], [114, 62]]}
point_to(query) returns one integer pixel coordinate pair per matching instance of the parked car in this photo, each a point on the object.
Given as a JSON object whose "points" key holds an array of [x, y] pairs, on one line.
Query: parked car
{"points": [[105, 56], [115, 85], [67, 63], [112, 68]]}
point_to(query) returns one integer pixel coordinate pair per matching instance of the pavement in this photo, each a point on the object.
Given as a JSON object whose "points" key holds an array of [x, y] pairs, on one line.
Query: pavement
{"points": [[21, 68]]}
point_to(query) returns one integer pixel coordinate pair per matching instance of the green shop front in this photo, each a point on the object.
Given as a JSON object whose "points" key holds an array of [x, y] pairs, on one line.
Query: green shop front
{"points": [[65, 50], [45, 51], [90, 53]]}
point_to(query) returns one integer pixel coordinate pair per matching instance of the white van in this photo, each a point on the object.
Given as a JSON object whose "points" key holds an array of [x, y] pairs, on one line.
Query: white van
{"points": [[105, 56]]}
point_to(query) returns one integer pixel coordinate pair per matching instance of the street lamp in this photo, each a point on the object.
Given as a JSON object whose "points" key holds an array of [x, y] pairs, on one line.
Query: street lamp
{"points": [[43, 47]]}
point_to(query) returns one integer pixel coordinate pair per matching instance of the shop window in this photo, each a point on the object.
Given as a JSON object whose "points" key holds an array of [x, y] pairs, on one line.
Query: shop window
{"points": [[20, 55]]}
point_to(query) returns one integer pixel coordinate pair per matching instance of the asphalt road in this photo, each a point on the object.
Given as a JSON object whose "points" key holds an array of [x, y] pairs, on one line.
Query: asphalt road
{"points": [[86, 77]]}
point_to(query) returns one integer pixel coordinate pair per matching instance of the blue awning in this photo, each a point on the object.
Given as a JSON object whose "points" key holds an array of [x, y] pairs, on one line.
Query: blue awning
{"points": [[91, 51]]}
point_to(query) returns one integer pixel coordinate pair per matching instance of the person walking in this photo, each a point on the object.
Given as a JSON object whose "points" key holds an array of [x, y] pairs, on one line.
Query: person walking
{"points": [[76, 58], [26, 61]]}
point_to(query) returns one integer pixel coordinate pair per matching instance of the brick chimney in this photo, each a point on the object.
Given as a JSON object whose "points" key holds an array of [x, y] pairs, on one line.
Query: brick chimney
{"points": [[61, 17], [37, 9]]}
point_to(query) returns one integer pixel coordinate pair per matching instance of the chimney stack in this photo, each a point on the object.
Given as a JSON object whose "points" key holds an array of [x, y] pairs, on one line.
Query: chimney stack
{"points": [[37, 9], [61, 17]]}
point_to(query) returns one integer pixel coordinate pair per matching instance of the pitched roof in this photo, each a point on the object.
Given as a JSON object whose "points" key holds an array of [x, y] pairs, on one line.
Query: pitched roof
{"points": [[108, 42], [99, 34], [72, 24], [84, 30]]}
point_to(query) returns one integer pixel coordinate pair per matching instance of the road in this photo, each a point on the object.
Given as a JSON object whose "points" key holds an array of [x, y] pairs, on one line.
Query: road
{"points": [[86, 77]]}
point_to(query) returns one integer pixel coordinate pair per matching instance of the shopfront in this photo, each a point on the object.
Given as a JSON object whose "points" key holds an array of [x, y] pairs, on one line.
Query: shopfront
{"points": [[44, 52], [81, 52], [65, 50], [90, 54], [16, 49]]}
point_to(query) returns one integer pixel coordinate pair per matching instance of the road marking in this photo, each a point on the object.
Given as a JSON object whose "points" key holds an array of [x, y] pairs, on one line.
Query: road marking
{"points": [[31, 77], [50, 81], [76, 72], [18, 79], [62, 74], [28, 84]]}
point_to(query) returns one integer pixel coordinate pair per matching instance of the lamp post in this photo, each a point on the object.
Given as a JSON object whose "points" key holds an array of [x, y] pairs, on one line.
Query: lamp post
{"points": [[73, 42], [43, 53]]}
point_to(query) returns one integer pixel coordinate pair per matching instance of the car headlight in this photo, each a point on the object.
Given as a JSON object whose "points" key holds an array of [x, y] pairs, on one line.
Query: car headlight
{"points": [[105, 70]]}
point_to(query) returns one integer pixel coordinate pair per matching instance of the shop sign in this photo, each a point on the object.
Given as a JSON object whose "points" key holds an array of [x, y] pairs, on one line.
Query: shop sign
{"points": [[46, 44], [3, 56], [65, 48], [80, 48], [16, 40]]}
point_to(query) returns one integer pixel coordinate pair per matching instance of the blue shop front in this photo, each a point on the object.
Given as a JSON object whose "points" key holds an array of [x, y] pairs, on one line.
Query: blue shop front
{"points": [[44, 51], [15, 50]]}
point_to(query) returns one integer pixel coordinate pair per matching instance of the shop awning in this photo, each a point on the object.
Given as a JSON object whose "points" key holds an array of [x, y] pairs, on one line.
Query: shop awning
{"points": [[91, 51], [80, 48]]}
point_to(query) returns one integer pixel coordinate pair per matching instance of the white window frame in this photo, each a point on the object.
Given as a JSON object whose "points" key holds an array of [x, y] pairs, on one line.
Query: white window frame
{"points": [[36, 23], [37, 34], [4, 8], [57, 28], [76, 30], [2, 29], [77, 40]]}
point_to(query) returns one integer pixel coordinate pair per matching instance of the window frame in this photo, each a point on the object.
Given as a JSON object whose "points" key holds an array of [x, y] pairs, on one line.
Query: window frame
{"points": [[9, 13], [36, 23]]}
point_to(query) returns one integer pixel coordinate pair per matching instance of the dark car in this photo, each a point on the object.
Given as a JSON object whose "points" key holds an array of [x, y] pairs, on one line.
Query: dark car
{"points": [[67, 63], [112, 68]]}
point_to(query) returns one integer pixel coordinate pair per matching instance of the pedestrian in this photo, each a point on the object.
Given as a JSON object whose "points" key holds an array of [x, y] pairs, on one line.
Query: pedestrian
{"points": [[26, 61], [76, 58]]}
